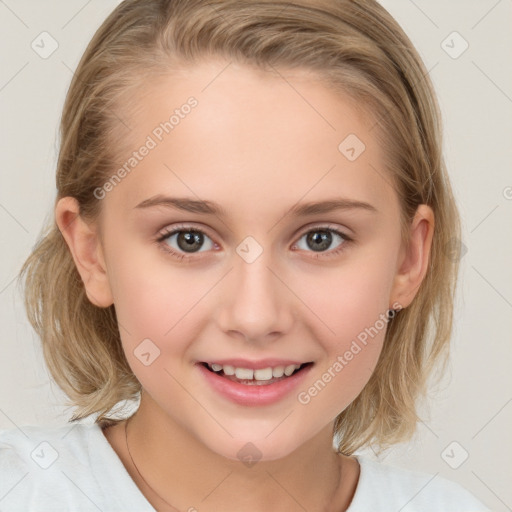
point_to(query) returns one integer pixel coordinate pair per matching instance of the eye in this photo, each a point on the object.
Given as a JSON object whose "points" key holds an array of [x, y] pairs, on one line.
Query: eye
{"points": [[183, 240], [320, 239]]}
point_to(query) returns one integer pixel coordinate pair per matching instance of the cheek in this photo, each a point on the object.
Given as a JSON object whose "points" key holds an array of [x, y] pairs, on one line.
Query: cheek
{"points": [[151, 293], [352, 331], [158, 322], [344, 373], [158, 308], [347, 299]]}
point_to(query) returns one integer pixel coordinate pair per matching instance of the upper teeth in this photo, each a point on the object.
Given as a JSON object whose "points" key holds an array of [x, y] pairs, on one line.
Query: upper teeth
{"points": [[259, 374]]}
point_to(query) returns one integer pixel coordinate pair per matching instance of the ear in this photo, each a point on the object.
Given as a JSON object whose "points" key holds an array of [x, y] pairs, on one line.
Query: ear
{"points": [[85, 246], [413, 260]]}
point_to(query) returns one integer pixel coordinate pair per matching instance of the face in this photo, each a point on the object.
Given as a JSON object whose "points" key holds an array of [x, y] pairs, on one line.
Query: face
{"points": [[252, 279]]}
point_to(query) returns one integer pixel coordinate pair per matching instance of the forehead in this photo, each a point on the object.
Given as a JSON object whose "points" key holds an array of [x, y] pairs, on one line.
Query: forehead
{"points": [[253, 136]]}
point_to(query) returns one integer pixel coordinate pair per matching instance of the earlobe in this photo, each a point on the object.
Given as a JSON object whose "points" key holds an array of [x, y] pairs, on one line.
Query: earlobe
{"points": [[414, 259], [85, 247]]}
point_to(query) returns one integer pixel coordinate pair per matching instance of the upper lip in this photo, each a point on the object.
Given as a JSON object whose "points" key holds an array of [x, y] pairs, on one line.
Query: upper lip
{"points": [[255, 365]]}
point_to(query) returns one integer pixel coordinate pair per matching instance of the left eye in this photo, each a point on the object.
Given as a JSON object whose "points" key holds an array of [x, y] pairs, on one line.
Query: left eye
{"points": [[190, 240], [320, 239]]}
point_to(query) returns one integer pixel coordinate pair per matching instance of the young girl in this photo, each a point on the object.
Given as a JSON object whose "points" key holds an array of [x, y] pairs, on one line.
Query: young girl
{"points": [[250, 237]]}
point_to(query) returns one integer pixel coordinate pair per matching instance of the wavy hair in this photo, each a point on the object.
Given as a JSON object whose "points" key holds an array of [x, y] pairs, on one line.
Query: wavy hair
{"points": [[354, 47]]}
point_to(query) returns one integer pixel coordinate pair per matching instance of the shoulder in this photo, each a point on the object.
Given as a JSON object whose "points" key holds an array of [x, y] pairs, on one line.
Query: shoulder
{"points": [[58, 468], [387, 487], [31, 445], [28, 447], [37, 463]]}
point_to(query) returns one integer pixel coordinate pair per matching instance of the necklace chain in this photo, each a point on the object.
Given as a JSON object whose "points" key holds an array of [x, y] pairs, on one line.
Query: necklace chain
{"points": [[143, 479], [135, 466]]}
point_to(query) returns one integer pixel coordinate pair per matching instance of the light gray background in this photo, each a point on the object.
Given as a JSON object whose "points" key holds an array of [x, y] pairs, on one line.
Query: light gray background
{"points": [[473, 405]]}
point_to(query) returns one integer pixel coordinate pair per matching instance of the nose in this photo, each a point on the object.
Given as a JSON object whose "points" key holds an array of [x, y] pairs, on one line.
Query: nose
{"points": [[256, 304]]}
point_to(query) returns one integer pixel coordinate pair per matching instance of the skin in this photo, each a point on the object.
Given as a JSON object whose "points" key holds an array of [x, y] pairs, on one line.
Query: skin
{"points": [[263, 146]]}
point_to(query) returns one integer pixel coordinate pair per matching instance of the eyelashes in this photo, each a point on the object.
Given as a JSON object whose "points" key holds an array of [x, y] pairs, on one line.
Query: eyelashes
{"points": [[189, 236], [192, 236]]}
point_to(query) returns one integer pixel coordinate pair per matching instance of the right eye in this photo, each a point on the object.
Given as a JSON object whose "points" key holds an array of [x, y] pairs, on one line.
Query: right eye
{"points": [[186, 240]]}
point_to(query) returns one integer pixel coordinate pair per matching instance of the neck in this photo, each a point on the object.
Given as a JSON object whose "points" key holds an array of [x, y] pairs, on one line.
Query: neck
{"points": [[185, 473]]}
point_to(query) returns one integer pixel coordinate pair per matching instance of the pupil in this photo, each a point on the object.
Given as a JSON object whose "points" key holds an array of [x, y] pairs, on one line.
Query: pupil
{"points": [[188, 239], [322, 240]]}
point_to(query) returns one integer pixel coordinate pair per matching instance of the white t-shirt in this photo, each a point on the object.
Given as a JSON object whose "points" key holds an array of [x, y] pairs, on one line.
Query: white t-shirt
{"points": [[74, 468]]}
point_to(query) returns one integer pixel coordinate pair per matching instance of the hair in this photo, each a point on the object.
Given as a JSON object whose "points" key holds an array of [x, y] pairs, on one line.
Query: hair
{"points": [[354, 47]]}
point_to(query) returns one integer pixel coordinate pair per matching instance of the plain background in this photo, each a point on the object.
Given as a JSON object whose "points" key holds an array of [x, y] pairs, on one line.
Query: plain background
{"points": [[470, 414]]}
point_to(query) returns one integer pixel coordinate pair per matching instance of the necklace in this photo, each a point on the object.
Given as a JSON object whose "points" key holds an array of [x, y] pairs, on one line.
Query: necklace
{"points": [[165, 501], [135, 466]]}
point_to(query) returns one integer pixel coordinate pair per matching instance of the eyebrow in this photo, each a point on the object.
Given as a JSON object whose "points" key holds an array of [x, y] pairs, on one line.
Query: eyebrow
{"points": [[210, 208]]}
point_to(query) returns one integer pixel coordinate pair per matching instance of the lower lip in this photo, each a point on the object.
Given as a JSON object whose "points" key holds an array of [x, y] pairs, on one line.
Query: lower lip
{"points": [[247, 394]]}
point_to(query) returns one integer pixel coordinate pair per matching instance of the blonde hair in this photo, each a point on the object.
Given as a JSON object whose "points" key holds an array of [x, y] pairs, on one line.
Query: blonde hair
{"points": [[355, 47]]}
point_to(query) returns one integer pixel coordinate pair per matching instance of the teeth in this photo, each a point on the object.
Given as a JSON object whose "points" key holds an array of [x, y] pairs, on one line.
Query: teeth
{"points": [[289, 369], [278, 371], [259, 374], [244, 373], [228, 370], [263, 374]]}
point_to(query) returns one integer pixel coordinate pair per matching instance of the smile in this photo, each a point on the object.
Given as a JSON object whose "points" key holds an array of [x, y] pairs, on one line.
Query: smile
{"points": [[254, 376], [261, 386]]}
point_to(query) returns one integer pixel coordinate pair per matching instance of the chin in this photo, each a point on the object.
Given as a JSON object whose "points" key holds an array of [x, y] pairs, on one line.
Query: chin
{"points": [[251, 449]]}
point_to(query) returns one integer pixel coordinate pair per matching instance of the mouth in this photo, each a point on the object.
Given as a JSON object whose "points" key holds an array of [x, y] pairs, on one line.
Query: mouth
{"points": [[265, 382], [256, 377]]}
